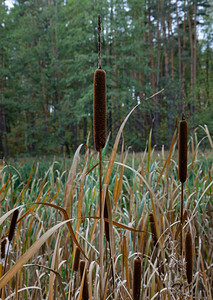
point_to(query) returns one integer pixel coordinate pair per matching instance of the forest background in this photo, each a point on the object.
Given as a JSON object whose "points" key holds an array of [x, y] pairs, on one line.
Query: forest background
{"points": [[48, 55]]}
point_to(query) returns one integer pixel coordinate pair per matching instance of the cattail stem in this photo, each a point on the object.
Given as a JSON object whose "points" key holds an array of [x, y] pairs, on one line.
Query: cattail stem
{"points": [[101, 228], [99, 42], [181, 219], [100, 181]]}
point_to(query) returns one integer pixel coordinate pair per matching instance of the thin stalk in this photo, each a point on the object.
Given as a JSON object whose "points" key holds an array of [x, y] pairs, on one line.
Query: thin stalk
{"points": [[181, 219], [101, 237], [99, 42]]}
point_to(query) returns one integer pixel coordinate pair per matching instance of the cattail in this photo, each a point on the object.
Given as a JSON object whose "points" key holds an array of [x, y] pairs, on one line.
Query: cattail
{"points": [[153, 229], [13, 225], [85, 294], [99, 109], [106, 223], [189, 257], [3, 247], [137, 270], [182, 150], [76, 259]]}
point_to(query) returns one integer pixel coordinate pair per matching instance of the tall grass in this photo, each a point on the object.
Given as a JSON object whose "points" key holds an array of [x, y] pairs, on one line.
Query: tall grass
{"points": [[40, 259]]}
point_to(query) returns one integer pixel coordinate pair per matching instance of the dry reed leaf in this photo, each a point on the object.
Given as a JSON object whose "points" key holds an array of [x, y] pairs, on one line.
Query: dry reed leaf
{"points": [[81, 194], [68, 224], [92, 265], [70, 180], [149, 151], [208, 290], [29, 253], [195, 211], [4, 186], [152, 195], [101, 245], [114, 150], [111, 243], [57, 275], [120, 181], [205, 128], [21, 290], [168, 159], [37, 200], [125, 258], [80, 198]]}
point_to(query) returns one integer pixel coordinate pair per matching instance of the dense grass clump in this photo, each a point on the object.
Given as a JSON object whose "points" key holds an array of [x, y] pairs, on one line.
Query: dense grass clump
{"points": [[59, 222]]}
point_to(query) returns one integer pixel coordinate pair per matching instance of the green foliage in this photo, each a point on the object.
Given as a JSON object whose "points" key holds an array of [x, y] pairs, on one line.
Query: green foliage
{"points": [[48, 54]]}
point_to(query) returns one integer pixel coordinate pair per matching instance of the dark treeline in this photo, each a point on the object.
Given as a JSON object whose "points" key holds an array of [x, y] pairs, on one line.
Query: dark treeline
{"points": [[48, 54]]}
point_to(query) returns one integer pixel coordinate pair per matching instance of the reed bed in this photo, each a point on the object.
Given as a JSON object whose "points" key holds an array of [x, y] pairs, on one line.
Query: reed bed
{"points": [[58, 216]]}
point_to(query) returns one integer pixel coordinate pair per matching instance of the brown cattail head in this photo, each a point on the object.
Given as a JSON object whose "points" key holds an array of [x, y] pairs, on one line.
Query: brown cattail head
{"points": [[3, 247], [153, 229], [13, 225], [189, 257], [76, 259], [99, 109], [182, 150], [137, 270], [85, 295]]}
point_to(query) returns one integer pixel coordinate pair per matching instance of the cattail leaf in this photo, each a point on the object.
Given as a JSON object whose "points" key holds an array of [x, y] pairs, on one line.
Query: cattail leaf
{"points": [[168, 159], [149, 150], [125, 259], [69, 184], [115, 147]]}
